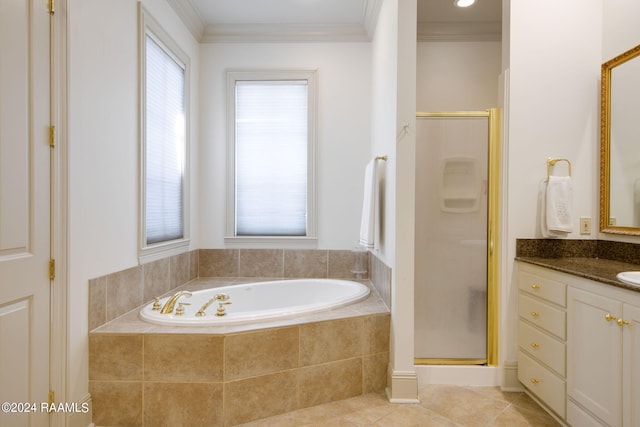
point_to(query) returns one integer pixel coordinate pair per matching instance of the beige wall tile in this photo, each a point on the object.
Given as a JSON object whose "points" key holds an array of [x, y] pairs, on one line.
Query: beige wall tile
{"points": [[330, 381], [305, 263], [340, 265], [193, 264], [180, 269], [156, 279], [97, 302], [183, 404], [218, 262], [116, 403], [115, 357], [124, 292], [328, 341], [261, 352], [261, 263], [375, 372], [376, 333], [260, 397], [182, 358]]}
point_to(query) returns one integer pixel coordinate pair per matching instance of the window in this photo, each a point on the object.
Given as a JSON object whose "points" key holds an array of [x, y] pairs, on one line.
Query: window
{"points": [[164, 121], [271, 144]]}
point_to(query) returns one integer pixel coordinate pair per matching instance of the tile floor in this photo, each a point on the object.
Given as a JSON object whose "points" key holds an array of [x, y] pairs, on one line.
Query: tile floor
{"points": [[441, 405]]}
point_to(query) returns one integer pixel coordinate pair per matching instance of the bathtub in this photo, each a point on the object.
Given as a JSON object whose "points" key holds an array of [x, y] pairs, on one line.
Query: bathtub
{"points": [[259, 301]]}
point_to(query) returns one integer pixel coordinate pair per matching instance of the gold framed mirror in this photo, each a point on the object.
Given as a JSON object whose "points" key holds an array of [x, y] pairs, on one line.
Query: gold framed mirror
{"points": [[620, 144]]}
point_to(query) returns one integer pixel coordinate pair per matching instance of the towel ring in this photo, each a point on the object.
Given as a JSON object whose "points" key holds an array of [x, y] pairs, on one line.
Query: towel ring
{"points": [[551, 162], [383, 158]]}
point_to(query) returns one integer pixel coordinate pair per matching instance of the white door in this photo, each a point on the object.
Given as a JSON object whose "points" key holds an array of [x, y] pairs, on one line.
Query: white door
{"points": [[24, 211]]}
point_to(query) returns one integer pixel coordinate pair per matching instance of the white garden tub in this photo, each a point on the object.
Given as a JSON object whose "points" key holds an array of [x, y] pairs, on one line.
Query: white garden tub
{"points": [[259, 301]]}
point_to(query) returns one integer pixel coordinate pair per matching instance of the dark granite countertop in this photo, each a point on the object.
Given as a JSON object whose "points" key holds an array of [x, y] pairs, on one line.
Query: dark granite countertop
{"points": [[598, 260], [597, 269]]}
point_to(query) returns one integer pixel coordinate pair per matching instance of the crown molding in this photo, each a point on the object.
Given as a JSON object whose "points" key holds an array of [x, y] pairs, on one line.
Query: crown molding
{"points": [[189, 15], [459, 31], [284, 33]]}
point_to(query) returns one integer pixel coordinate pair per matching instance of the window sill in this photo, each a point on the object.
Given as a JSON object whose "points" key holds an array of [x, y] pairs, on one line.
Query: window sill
{"points": [[271, 242], [163, 250]]}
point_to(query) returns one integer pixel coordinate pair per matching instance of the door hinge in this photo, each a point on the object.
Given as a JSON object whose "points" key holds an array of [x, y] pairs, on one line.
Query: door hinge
{"points": [[52, 269], [52, 397], [52, 6], [52, 136]]}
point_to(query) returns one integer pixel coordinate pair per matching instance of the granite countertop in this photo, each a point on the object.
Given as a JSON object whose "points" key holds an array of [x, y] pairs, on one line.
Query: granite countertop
{"points": [[598, 260], [597, 269]]}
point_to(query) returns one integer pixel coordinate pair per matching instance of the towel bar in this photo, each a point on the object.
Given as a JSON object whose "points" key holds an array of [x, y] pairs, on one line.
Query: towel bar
{"points": [[551, 162]]}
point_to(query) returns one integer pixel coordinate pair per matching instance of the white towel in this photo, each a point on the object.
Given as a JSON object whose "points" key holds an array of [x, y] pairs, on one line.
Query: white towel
{"points": [[556, 217], [369, 206]]}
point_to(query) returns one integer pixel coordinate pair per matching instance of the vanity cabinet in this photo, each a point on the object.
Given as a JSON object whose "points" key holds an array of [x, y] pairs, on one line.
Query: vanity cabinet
{"points": [[579, 347], [603, 381], [541, 337]]}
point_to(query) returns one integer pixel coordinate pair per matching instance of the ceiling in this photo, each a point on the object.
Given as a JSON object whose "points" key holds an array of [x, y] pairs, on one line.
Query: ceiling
{"points": [[330, 20]]}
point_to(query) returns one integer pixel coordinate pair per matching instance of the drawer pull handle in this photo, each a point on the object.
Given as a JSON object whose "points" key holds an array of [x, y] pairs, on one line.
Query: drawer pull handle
{"points": [[535, 286], [534, 345], [534, 381], [622, 322], [608, 317], [535, 314]]}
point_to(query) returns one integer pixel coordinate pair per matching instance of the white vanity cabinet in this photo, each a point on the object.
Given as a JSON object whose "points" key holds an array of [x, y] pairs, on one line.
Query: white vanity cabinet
{"points": [[603, 381], [599, 380], [541, 336]]}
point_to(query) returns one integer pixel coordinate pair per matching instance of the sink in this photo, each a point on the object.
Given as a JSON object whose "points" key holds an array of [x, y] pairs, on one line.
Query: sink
{"points": [[630, 277]]}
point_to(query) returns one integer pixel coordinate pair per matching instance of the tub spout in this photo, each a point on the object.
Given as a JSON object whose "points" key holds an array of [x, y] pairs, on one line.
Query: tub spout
{"points": [[171, 302]]}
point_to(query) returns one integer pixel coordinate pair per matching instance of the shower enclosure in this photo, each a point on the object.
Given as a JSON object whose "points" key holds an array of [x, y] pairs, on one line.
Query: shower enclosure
{"points": [[455, 215]]}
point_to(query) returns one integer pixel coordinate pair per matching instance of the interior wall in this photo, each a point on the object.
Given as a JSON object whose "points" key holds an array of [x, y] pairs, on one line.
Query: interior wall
{"points": [[343, 132], [457, 76], [103, 152], [553, 98]]}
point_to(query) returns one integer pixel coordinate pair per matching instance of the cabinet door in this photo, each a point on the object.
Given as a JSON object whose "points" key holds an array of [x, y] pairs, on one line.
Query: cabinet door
{"points": [[594, 351], [631, 360]]}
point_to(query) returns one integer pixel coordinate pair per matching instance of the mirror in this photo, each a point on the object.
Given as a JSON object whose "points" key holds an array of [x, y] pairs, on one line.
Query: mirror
{"points": [[620, 144]]}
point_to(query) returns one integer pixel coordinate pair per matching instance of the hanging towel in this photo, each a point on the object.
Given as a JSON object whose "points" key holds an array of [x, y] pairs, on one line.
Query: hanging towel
{"points": [[369, 206], [556, 217]]}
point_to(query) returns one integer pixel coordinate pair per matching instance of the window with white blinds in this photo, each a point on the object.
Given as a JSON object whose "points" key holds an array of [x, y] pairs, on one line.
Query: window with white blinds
{"points": [[273, 130], [164, 144]]}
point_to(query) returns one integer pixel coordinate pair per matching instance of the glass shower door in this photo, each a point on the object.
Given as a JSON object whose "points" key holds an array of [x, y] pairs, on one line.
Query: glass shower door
{"points": [[451, 239]]}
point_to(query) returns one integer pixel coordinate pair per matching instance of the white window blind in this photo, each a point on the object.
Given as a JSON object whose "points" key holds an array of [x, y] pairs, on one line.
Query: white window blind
{"points": [[271, 143], [165, 144]]}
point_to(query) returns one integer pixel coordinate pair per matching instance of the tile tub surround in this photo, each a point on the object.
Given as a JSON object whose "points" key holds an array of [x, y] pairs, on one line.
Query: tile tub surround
{"points": [[115, 294], [223, 379]]}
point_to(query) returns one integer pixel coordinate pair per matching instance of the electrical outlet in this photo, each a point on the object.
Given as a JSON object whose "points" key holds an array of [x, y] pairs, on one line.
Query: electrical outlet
{"points": [[585, 225]]}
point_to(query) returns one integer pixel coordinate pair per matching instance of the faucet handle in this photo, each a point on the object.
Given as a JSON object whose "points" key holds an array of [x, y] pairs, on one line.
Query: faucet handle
{"points": [[220, 311], [156, 303], [180, 309], [221, 297]]}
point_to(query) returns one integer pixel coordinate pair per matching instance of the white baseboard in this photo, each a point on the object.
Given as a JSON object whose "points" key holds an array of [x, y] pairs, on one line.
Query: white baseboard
{"points": [[510, 380], [403, 387], [482, 376]]}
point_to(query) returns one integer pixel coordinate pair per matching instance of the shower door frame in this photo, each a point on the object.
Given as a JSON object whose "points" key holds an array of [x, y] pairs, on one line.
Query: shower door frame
{"points": [[493, 206]]}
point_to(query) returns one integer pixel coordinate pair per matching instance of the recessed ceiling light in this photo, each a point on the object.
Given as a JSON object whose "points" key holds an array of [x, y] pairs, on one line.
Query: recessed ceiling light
{"points": [[464, 3]]}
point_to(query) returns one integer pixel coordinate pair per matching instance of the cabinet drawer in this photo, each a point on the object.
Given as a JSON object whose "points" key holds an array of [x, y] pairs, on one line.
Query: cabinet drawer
{"points": [[542, 346], [553, 291], [543, 315], [543, 383]]}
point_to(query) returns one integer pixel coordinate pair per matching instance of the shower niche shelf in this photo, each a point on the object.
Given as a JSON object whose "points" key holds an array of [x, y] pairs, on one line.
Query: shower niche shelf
{"points": [[460, 185]]}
